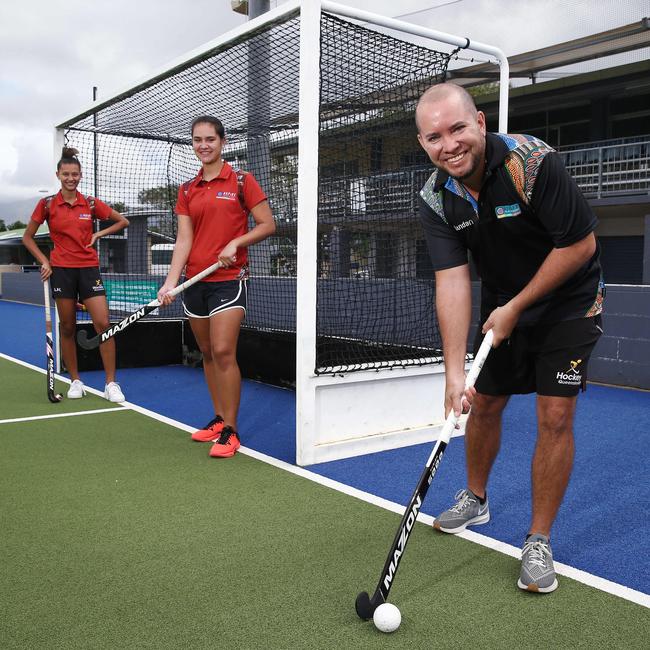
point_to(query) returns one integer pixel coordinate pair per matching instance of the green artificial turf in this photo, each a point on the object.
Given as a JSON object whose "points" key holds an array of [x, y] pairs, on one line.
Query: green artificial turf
{"points": [[24, 394], [116, 531]]}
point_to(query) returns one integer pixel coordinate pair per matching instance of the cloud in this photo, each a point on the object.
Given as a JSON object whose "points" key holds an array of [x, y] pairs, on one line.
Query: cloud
{"points": [[8, 154], [23, 174], [54, 52]]}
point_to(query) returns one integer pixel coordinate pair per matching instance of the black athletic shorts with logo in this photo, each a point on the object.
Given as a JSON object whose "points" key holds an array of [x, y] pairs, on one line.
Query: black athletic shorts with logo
{"points": [[204, 299], [76, 283], [546, 358]]}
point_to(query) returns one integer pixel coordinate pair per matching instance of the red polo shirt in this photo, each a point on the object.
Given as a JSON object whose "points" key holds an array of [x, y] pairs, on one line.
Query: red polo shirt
{"points": [[217, 218], [71, 229]]}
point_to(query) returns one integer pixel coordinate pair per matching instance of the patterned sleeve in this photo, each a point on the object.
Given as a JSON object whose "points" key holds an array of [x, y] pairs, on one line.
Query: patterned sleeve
{"points": [[445, 248], [560, 205]]}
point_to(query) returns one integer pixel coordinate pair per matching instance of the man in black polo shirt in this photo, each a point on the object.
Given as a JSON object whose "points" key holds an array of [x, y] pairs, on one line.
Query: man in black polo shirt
{"points": [[509, 201]]}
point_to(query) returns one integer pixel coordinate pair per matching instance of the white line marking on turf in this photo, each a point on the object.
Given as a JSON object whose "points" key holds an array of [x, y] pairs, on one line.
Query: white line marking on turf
{"points": [[20, 362], [66, 415], [65, 380], [588, 579], [507, 549], [43, 371]]}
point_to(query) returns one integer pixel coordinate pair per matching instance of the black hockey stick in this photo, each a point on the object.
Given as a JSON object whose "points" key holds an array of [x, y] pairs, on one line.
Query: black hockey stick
{"points": [[365, 605], [93, 342], [49, 348]]}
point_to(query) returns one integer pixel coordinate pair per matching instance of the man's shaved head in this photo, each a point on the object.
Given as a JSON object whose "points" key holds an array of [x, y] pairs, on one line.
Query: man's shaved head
{"points": [[452, 132], [443, 91]]}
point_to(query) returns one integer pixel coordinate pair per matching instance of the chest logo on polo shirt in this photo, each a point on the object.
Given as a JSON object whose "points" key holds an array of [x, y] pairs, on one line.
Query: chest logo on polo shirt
{"points": [[227, 196], [86, 216], [463, 224], [505, 211]]}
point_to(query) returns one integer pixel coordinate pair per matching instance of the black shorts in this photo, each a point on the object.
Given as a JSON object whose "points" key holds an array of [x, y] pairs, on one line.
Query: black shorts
{"points": [[546, 358], [76, 283], [204, 299]]}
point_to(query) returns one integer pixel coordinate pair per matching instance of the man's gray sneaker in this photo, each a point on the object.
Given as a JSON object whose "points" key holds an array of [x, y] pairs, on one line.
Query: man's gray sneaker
{"points": [[537, 572], [468, 511]]}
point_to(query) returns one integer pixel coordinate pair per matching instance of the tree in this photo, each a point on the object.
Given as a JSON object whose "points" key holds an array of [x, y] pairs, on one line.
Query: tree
{"points": [[489, 88], [16, 224], [2, 225], [118, 206], [161, 195]]}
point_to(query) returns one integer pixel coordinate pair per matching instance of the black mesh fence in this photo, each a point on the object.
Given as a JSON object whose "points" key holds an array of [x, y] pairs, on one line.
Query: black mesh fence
{"points": [[375, 288], [137, 151]]}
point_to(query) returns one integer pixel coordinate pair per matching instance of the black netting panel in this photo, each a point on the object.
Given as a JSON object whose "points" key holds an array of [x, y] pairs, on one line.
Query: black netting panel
{"points": [[375, 287], [375, 292], [141, 149]]}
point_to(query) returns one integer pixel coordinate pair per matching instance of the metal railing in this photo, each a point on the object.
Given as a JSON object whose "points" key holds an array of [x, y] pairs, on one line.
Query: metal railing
{"points": [[608, 170], [391, 194]]}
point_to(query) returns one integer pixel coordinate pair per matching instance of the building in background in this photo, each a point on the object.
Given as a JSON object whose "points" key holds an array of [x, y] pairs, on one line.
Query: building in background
{"points": [[598, 121]]}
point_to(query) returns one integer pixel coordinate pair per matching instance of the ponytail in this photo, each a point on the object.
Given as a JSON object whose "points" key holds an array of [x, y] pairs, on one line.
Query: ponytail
{"points": [[68, 157]]}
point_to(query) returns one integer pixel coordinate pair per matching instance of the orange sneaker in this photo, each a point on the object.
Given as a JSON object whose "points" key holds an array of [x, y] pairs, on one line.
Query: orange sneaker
{"points": [[211, 431], [227, 444]]}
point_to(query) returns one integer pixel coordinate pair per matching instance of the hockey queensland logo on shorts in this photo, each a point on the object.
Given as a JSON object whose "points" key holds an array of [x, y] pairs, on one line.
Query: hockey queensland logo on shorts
{"points": [[85, 216], [98, 286], [572, 376], [505, 211], [227, 196]]}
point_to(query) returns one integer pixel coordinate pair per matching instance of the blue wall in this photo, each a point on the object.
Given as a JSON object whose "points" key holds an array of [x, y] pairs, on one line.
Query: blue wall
{"points": [[622, 355]]}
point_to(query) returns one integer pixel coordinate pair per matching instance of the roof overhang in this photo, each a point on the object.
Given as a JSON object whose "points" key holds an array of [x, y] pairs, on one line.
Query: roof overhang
{"points": [[614, 41]]}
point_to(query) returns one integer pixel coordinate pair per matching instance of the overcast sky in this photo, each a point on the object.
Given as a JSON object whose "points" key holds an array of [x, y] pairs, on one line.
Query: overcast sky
{"points": [[52, 53]]}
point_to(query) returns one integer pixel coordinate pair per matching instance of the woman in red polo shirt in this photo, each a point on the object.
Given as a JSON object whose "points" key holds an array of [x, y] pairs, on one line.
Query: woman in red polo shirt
{"points": [[212, 211], [73, 268]]}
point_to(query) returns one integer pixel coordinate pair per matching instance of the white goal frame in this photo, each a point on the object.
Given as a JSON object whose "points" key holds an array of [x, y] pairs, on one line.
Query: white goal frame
{"points": [[339, 416], [345, 414]]}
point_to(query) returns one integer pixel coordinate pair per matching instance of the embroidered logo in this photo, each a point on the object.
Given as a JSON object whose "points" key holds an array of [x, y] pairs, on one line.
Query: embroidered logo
{"points": [[98, 285], [463, 224], [227, 196], [86, 216], [505, 211]]}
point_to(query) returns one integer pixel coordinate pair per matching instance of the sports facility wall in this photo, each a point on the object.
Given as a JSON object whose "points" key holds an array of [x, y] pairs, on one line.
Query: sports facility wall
{"points": [[621, 356]]}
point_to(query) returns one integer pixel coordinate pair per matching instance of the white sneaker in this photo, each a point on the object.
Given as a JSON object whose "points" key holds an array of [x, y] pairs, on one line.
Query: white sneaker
{"points": [[76, 390], [113, 393]]}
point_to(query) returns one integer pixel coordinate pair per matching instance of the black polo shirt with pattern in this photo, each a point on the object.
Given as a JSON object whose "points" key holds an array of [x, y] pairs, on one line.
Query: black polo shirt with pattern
{"points": [[528, 205]]}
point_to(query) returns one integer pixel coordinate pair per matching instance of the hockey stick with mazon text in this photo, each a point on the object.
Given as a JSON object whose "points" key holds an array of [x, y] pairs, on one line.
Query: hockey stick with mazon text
{"points": [[93, 342], [365, 605], [49, 348]]}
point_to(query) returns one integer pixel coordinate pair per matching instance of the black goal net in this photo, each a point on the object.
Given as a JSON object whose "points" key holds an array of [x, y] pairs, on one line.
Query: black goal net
{"points": [[375, 288]]}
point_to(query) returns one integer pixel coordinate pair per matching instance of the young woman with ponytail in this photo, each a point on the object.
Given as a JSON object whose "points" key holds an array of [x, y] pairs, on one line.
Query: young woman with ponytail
{"points": [[73, 267]]}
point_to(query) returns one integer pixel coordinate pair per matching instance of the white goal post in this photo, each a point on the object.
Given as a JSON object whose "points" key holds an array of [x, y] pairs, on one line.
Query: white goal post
{"points": [[343, 415]]}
